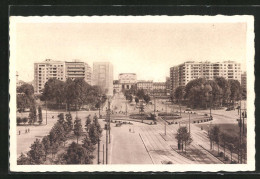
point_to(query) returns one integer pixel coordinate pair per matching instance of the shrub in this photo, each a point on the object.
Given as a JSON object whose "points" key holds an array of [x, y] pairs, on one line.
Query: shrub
{"points": [[226, 158], [19, 120], [221, 154], [25, 120], [233, 162]]}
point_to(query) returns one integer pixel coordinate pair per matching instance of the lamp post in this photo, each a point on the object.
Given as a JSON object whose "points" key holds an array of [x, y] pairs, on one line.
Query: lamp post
{"points": [[46, 110]]}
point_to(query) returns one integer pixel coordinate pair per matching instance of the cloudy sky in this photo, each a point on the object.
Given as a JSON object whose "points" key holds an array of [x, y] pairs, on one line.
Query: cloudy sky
{"points": [[147, 49]]}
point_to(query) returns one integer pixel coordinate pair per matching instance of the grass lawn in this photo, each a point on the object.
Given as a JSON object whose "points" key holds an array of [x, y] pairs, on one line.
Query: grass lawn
{"points": [[232, 129]]}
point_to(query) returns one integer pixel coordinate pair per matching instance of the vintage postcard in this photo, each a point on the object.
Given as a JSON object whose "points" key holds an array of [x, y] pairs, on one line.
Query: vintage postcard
{"points": [[132, 93]]}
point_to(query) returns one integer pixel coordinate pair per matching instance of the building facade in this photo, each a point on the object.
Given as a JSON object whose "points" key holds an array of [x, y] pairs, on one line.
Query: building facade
{"points": [[103, 76], [147, 86], [159, 89], [168, 86], [127, 80], [116, 86], [60, 70], [180, 75], [78, 69], [243, 81]]}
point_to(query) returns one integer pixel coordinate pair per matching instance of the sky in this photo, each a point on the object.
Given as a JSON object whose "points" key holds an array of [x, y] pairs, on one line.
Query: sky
{"points": [[147, 49]]}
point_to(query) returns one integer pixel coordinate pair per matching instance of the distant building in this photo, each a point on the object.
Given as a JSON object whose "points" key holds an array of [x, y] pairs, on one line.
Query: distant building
{"points": [[60, 70], [103, 76], [159, 89], [147, 86], [116, 86], [243, 81], [78, 69], [18, 82], [180, 75], [127, 80], [168, 86]]}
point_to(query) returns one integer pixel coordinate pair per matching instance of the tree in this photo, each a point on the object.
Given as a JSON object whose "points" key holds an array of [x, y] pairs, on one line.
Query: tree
{"points": [[224, 85], [136, 100], [36, 153], [19, 120], [88, 122], [224, 139], [61, 118], [183, 136], [25, 119], [69, 125], [94, 134], [32, 114], [76, 154], [146, 98], [46, 145], [179, 95], [87, 144], [140, 94], [231, 144], [78, 128], [215, 135], [54, 90], [40, 114], [23, 160], [235, 89]]}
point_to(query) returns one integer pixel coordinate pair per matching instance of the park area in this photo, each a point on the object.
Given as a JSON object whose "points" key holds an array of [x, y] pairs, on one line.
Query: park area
{"points": [[135, 140]]}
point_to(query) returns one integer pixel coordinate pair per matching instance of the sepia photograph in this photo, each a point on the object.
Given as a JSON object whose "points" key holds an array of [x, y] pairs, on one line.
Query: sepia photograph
{"points": [[125, 93]]}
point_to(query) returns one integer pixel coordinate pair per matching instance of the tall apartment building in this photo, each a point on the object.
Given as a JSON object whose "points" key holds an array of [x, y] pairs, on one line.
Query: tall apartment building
{"points": [[127, 80], [243, 80], [147, 86], [180, 75], [60, 70], [103, 76], [78, 69]]}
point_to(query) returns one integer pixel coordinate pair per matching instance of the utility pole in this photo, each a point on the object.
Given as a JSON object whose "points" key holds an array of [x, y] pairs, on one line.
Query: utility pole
{"points": [[126, 107], [166, 107], [165, 128], [107, 132], [46, 111], [103, 154], [189, 122], [240, 132], [109, 121], [154, 104], [98, 151]]}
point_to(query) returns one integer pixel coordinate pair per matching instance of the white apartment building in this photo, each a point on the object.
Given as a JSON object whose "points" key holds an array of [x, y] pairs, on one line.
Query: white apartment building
{"points": [[244, 80], [180, 75], [60, 70], [127, 80], [78, 69], [103, 76]]}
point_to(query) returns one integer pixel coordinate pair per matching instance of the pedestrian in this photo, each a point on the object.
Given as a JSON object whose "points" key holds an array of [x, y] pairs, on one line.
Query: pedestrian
{"points": [[29, 130], [19, 132], [25, 130]]}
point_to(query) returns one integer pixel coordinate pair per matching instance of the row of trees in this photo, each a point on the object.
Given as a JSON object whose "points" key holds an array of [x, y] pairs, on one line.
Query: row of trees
{"points": [[62, 130], [227, 141], [184, 138], [200, 93], [74, 93], [32, 119], [25, 97], [139, 95]]}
